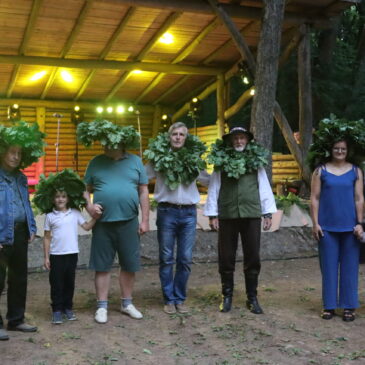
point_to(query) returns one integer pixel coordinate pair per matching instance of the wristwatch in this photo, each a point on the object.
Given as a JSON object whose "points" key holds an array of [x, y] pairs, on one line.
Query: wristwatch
{"points": [[267, 215]]}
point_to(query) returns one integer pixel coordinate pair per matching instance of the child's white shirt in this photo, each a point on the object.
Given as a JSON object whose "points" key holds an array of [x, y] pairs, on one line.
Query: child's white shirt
{"points": [[63, 227]]}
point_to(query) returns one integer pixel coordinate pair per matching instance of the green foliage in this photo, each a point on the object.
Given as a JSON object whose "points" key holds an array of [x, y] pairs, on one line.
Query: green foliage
{"points": [[284, 203], [109, 135], [332, 130], [67, 181], [178, 167], [235, 164], [28, 137]]}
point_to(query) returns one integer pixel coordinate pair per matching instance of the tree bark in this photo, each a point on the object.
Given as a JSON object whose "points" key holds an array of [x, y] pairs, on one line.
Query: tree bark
{"points": [[305, 92], [266, 73]]}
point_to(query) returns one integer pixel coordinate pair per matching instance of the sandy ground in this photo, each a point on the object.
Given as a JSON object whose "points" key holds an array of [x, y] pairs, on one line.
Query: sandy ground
{"points": [[290, 331]]}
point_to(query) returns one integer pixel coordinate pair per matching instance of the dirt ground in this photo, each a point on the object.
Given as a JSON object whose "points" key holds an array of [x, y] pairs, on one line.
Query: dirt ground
{"points": [[290, 331]]}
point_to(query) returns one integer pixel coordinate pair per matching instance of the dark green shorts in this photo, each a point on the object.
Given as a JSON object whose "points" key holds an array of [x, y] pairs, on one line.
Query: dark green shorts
{"points": [[120, 237]]}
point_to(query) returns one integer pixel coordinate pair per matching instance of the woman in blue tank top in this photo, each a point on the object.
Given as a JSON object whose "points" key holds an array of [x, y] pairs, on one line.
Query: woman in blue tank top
{"points": [[337, 212]]}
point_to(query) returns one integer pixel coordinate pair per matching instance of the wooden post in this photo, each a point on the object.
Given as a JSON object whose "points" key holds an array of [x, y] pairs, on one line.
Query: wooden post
{"points": [[41, 120], [220, 105], [305, 91], [156, 120]]}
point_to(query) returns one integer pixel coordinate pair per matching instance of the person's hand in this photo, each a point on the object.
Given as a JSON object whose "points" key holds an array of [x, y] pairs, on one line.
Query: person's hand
{"points": [[317, 232], [214, 224], [358, 231], [267, 223], [143, 227], [95, 210], [47, 263], [1, 246], [31, 238]]}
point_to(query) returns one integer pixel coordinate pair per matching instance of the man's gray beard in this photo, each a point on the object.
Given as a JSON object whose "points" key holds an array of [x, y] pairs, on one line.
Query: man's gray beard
{"points": [[240, 149]]}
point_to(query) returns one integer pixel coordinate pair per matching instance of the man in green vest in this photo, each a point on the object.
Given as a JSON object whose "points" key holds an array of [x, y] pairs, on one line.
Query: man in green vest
{"points": [[235, 206]]}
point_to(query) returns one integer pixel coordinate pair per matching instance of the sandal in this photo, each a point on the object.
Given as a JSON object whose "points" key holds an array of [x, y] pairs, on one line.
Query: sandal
{"points": [[328, 314], [348, 315]]}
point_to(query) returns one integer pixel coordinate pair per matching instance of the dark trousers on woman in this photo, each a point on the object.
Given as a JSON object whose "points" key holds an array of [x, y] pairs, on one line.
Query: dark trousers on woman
{"points": [[14, 259], [62, 280], [249, 229]]}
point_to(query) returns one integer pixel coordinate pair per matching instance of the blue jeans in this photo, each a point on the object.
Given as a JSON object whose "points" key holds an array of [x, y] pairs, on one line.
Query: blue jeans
{"points": [[175, 225]]}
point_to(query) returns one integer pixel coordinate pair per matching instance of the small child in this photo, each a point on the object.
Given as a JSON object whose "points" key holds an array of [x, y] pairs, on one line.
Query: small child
{"points": [[61, 254]]}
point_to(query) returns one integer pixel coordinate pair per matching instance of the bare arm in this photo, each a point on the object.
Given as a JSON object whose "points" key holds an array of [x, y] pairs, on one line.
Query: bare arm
{"points": [[95, 210], [314, 199], [144, 226], [46, 245], [88, 225], [359, 203]]}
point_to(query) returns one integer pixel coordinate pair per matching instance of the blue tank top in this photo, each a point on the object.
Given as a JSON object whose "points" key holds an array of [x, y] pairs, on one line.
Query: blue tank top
{"points": [[337, 211]]}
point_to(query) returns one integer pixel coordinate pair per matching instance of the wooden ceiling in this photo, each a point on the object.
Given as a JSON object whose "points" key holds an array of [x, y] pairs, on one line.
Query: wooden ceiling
{"points": [[101, 43]]}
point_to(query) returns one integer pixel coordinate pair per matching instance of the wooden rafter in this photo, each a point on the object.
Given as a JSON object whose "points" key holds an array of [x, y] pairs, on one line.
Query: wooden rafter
{"points": [[181, 56], [107, 49], [163, 29], [111, 65], [233, 10], [27, 34], [74, 33]]}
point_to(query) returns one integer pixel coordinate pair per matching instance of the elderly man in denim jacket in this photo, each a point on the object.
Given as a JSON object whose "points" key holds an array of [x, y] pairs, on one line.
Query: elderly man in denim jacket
{"points": [[17, 229]]}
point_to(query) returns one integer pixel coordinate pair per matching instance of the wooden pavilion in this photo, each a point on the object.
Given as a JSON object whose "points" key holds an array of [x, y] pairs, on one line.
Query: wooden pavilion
{"points": [[152, 55]]}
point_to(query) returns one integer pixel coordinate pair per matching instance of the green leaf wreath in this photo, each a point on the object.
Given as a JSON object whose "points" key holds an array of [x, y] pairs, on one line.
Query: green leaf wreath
{"points": [[234, 163], [28, 137], [67, 181], [332, 130], [178, 167], [109, 135]]}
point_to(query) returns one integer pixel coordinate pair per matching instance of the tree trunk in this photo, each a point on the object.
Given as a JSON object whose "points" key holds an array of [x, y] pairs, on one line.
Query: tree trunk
{"points": [[266, 73]]}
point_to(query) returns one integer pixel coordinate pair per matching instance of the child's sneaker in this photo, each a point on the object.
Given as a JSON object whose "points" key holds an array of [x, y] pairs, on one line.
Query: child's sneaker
{"points": [[57, 318], [70, 315]]}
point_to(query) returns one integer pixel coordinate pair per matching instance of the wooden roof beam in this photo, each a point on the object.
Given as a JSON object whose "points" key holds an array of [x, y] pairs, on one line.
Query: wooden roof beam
{"points": [[154, 39], [233, 10], [111, 65], [182, 55], [74, 33], [107, 49], [28, 32]]}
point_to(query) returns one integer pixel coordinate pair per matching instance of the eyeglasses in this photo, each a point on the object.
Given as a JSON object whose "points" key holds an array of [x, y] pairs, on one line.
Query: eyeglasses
{"points": [[339, 149]]}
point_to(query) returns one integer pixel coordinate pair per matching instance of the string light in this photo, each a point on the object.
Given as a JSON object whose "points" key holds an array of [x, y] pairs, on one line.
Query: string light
{"points": [[167, 38], [99, 109]]}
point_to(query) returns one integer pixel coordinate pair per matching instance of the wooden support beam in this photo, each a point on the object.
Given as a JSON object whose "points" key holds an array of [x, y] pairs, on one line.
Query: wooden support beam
{"points": [[181, 56], [28, 32], [171, 89], [55, 104], [123, 23], [233, 10], [305, 91], [111, 65], [156, 120], [239, 104], [171, 19], [221, 105], [74, 33], [41, 120]]}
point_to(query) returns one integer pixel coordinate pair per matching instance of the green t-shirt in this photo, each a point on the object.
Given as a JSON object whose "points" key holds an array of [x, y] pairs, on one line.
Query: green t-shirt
{"points": [[116, 185]]}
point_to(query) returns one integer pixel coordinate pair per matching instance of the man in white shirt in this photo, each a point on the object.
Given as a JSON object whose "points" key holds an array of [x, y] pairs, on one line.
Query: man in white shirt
{"points": [[176, 224], [235, 207]]}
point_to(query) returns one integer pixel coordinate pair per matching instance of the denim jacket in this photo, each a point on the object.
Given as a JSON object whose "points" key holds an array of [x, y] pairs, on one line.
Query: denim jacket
{"points": [[7, 208]]}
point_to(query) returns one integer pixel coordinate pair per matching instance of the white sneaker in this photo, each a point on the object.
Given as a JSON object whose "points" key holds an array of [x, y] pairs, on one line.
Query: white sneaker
{"points": [[101, 315], [131, 311]]}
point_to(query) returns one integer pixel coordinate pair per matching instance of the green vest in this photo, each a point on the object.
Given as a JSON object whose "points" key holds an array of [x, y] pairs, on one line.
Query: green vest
{"points": [[239, 198]]}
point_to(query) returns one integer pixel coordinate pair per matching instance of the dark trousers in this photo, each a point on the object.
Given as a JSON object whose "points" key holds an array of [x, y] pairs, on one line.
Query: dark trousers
{"points": [[14, 260], [250, 231], [62, 280]]}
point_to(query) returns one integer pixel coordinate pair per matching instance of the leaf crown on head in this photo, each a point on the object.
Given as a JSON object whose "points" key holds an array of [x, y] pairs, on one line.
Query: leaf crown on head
{"points": [[67, 181], [28, 137], [110, 135]]}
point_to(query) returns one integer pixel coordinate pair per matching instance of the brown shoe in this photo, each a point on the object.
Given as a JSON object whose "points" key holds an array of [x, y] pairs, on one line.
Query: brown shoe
{"points": [[182, 308], [169, 308]]}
